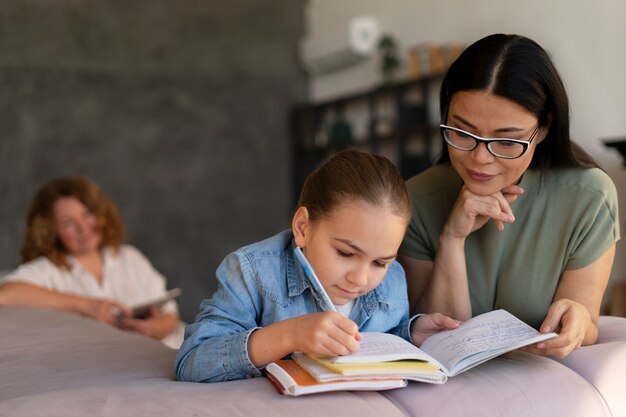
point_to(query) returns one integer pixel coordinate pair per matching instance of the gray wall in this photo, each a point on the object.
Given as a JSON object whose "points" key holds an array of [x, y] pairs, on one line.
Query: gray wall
{"points": [[177, 109]]}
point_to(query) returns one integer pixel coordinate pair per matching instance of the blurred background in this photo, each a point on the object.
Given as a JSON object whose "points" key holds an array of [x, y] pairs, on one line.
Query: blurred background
{"points": [[200, 119]]}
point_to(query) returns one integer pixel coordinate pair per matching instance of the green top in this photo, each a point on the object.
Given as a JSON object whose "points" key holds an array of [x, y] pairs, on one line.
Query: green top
{"points": [[566, 221]]}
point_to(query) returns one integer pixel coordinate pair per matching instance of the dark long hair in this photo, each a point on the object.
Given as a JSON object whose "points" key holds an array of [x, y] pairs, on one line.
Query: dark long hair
{"points": [[518, 69]]}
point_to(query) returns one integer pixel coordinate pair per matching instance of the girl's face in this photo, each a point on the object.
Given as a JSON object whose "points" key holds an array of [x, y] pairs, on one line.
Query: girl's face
{"points": [[351, 248], [491, 116], [76, 226]]}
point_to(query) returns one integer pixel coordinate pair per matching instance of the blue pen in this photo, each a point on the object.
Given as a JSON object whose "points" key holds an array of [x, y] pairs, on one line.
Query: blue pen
{"points": [[327, 304]]}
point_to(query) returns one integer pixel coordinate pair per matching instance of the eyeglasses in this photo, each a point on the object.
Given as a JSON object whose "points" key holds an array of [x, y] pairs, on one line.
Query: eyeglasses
{"points": [[499, 147]]}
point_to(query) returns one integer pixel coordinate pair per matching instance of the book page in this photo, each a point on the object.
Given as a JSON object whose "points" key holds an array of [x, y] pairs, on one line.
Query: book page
{"points": [[379, 347], [480, 339]]}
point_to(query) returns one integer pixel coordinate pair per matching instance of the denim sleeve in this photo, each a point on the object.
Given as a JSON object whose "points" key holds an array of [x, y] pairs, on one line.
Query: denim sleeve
{"points": [[403, 329], [394, 286], [216, 344]]}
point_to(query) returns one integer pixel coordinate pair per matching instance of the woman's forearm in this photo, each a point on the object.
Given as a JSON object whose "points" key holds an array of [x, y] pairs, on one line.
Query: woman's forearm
{"points": [[18, 294], [591, 335], [447, 291]]}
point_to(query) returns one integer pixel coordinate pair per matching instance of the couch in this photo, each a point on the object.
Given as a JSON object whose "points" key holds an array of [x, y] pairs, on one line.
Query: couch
{"points": [[55, 363]]}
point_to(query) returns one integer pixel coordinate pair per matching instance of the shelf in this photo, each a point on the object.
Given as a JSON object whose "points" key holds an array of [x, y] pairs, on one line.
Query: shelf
{"points": [[387, 119], [375, 90]]}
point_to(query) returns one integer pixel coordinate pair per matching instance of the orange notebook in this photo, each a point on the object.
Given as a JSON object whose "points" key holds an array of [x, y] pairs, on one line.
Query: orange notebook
{"points": [[290, 379]]}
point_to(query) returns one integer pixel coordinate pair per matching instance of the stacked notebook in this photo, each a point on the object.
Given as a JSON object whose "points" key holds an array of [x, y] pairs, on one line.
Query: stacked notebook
{"points": [[385, 361]]}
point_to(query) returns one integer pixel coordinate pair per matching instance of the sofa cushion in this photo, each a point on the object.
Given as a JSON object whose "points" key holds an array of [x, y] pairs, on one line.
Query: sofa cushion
{"points": [[48, 350], [515, 384], [603, 364], [159, 397], [59, 364]]}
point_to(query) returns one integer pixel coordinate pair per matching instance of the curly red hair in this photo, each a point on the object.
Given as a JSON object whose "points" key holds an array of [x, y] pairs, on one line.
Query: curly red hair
{"points": [[41, 238]]}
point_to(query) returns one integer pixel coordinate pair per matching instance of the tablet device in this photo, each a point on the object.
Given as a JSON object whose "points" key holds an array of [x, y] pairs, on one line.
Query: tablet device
{"points": [[142, 311]]}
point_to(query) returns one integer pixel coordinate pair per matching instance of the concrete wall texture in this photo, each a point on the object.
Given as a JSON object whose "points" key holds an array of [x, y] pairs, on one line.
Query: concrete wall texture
{"points": [[178, 110]]}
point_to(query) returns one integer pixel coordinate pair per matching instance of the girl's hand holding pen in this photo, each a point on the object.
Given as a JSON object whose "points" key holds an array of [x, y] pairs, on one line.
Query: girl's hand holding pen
{"points": [[326, 333]]}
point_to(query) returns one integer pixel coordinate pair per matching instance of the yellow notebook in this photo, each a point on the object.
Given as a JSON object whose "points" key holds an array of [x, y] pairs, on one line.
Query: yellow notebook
{"points": [[323, 370], [375, 367]]}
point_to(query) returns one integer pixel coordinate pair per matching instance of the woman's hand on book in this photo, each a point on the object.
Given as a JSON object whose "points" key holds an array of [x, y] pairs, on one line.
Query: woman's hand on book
{"points": [[429, 324], [326, 333], [570, 320]]}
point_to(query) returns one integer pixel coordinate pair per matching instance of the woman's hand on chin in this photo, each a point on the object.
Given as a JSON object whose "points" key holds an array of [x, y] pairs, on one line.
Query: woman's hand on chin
{"points": [[471, 211]]}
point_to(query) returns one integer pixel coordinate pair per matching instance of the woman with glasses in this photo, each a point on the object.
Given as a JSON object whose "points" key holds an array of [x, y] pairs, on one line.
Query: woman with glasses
{"points": [[515, 215]]}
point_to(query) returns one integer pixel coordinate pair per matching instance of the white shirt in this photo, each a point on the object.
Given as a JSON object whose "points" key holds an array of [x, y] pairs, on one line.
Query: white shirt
{"points": [[127, 277], [345, 309]]}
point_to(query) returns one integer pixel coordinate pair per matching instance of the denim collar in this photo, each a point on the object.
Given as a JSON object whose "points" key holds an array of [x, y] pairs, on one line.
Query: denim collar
{"points": [[298, 282]]}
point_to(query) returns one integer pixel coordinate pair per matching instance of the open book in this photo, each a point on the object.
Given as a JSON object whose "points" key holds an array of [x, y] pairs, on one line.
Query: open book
{"points": [[290, 379], [442, 355]]}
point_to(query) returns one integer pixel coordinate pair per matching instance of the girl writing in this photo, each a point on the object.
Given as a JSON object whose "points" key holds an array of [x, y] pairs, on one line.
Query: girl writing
{"points": [[351, 218]]}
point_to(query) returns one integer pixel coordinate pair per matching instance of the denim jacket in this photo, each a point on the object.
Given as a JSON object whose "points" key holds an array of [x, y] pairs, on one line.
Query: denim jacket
{"points": [[261, 284]]}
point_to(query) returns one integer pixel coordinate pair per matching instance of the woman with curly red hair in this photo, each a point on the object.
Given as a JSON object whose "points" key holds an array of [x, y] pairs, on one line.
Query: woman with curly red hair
{"points": [[73, 259]]}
